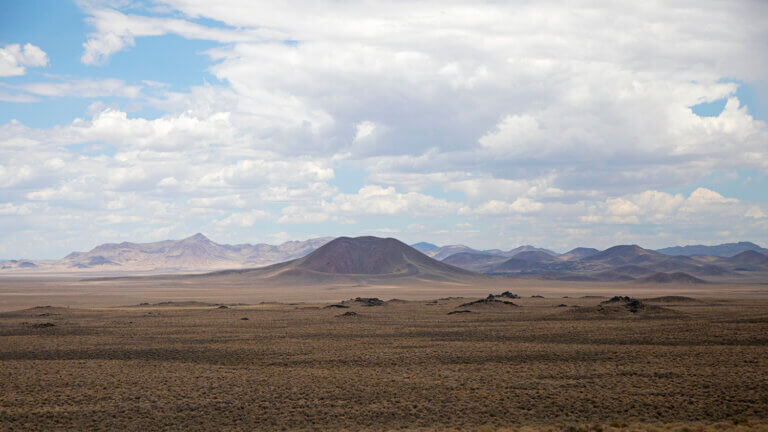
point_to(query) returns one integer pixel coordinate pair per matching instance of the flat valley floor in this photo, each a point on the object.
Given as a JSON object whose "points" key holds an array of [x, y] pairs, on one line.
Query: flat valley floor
{"points": [[547, 364]]}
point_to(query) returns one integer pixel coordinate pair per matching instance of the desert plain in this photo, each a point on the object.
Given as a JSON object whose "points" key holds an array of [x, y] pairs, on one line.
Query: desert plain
{"points": [[154, 354]]}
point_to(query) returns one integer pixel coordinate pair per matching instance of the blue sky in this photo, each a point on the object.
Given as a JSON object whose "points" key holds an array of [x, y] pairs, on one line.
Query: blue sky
{"points": [[449, 123]]}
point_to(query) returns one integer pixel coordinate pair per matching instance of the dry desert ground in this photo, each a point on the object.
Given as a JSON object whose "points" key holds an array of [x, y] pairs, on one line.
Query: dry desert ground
{"points": [[698, 362]]}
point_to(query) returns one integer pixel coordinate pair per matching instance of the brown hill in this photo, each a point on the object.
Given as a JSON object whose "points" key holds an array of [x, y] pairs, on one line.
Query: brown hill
{"points": [[749, 258], [478, 262], [443, 252], [623, 254], [676, 277], [524, 261], [578, 253], [359, 259]]}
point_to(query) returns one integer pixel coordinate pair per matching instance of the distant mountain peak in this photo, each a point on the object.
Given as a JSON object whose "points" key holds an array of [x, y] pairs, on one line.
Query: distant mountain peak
{"points": [[622, 254], [198, 237], [371, 257], [631, 249], [721, 250], [424, 246], [579, 253]]}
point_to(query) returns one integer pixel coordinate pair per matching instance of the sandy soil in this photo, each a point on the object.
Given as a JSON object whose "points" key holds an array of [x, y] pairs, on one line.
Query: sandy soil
{"points": [[677, 365], [17, 293]]}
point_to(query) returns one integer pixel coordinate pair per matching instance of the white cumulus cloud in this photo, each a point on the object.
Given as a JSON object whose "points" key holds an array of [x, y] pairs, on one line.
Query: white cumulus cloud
{"points": [[14, 59]]}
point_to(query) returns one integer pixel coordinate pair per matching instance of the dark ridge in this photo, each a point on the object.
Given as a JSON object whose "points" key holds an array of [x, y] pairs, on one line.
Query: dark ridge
{"points": [[677, 277], [368, 301], [672, 299], [488, 302], [347, 314], [460, 311]]}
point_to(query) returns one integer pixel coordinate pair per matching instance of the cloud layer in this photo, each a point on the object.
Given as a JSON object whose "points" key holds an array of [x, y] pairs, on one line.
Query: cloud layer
{"points": [[492, 124]]}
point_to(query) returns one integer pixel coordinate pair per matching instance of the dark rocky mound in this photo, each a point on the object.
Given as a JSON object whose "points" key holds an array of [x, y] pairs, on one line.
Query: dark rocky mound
{"points": [[617, 299], [339, 306], [460, 311], [223, 307], [537, 296], [396, 301], [509, 295], [631, 304], [619, 307], [672, 299], [347, 314], [43, 325], [562, 305], [368, 301], [677, 277], [244, 319], [489, 301], [177, 304]]}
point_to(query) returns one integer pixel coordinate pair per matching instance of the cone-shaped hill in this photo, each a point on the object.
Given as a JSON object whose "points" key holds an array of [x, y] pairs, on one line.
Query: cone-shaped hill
{"points": [[360, 259]]}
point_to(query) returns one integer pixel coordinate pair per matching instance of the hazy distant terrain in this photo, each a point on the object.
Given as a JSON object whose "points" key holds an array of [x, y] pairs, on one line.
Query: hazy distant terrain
{"points": [[618, 263], [722, 250], [193, 254], [443, 252], [732, 262]]}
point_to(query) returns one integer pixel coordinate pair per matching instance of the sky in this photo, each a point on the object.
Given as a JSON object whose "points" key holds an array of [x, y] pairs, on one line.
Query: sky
{"points": [[490, 124]]}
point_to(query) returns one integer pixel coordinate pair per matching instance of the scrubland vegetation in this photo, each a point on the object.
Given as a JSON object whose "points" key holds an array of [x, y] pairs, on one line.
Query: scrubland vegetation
{"points": [[677, 365]]}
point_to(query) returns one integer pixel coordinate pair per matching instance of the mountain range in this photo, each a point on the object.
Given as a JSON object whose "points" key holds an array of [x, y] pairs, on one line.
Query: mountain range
{"points": [[442, 252], [721, 250], [618, 263], [192, 254], [363, 255]]}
